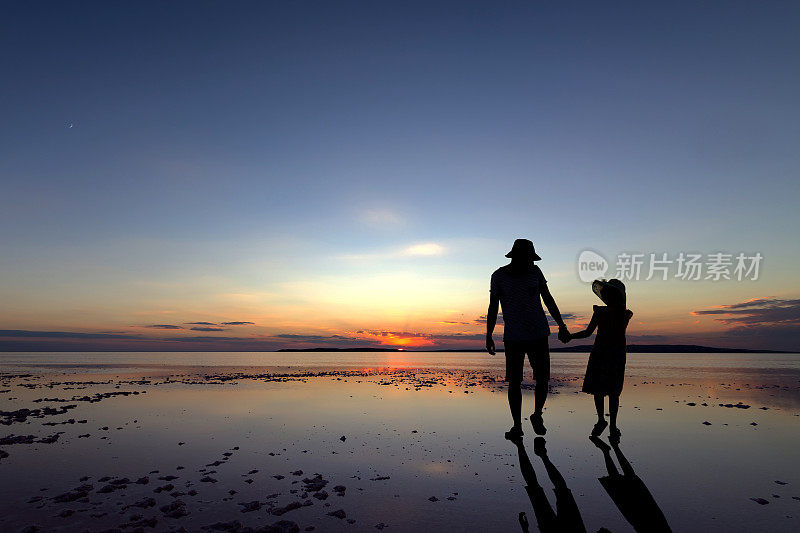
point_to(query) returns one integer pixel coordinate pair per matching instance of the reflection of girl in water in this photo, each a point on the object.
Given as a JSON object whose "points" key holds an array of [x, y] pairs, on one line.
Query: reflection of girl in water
{"points": [[605, 371], [629, 493]]}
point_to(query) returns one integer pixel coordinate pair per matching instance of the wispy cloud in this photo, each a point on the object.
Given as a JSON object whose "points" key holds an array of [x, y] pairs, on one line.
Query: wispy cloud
{"points": [[758, 311], [207, 328], [759, 323], [19, 333], [163, 326], [201, 323], [426, 248], [238, 323]]}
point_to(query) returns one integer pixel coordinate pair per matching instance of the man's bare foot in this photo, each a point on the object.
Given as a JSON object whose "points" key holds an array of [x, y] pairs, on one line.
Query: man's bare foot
{"points": [[538, 424], [515, 433], [599, 428]]}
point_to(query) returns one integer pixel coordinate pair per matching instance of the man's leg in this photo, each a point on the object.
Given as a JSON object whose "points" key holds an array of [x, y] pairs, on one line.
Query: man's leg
{"points": [[539, 356], [540, 396], [514, 364], [515, 402]]}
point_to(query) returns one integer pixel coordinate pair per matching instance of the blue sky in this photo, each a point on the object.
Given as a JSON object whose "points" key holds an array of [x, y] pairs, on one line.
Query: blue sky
{"points": [[158, 158]]}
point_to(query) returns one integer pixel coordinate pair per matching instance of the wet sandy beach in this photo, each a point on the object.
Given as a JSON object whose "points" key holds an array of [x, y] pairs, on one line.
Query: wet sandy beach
{"points": [[157, 447]]}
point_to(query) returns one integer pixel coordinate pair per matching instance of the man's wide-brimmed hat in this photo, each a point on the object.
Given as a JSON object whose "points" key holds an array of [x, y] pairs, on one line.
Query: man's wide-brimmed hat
{"points": [[523, 247], [599, 284]]}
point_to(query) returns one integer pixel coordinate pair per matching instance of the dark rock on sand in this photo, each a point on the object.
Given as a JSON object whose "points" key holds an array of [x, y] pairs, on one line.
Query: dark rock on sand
{"points": [[760, 501], [315, 484], [145, 503], [278, 511], [140, 522], [282, 526], [17, 439], [73, 495], [176, 509], [249, 507], [233, 525], [339, 513]]}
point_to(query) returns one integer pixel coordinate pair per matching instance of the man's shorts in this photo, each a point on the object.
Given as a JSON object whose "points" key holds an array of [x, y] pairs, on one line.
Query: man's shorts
{"points": [[538, 354]]}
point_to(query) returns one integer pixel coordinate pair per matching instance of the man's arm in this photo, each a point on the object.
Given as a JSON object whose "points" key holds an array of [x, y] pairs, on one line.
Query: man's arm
{"points": [[550, 303], [491, 320]]}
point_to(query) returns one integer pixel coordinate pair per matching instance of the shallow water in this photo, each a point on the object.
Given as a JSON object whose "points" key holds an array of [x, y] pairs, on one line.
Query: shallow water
{"points": [[433, 432]]}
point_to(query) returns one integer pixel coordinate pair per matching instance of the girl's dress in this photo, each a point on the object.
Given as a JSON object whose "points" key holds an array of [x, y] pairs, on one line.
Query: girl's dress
{"points": [[606, 369]]}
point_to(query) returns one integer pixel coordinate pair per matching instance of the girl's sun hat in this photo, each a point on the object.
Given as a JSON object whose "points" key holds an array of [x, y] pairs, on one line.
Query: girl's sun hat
{"points": [[599, 284]]}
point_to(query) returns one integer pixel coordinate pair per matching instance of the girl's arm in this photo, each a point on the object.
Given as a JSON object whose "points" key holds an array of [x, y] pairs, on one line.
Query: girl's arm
{"points": [[589, 329]]}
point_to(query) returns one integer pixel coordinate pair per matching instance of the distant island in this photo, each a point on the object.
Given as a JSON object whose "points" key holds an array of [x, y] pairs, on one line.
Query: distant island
{"points": [[581, 348]]}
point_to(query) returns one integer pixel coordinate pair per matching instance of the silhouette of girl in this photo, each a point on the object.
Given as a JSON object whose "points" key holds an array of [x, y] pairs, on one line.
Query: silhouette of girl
{"points": [[629, 492], [605, 371]]}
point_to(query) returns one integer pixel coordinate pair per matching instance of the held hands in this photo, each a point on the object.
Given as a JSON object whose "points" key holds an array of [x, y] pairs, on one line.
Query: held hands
{"points": [[490, 345], [564, 334]]}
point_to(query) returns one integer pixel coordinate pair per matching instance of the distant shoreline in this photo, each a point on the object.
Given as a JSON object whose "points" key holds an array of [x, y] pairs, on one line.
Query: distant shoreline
{"points": [[582, 348]]}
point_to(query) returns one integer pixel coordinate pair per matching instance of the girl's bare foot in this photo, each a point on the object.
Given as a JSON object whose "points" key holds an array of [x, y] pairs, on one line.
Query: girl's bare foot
{"points": [[599, 428]]}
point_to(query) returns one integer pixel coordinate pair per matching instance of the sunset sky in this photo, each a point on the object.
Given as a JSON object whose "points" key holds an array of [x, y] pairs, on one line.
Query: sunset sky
{"points": [[254, 176]]}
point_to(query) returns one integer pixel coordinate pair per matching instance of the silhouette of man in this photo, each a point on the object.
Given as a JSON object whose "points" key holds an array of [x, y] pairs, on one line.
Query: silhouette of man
{"points": [[520, 288], [566, 518]]}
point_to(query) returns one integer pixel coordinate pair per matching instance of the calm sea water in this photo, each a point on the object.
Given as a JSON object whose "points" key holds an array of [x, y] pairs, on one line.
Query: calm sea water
{"points": [[663, 364], [706, 433]]}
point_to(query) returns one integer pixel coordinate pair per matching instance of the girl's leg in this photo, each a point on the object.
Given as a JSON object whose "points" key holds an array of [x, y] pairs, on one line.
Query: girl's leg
{"points": [[613, 409], [601, 424], [598, 405]]}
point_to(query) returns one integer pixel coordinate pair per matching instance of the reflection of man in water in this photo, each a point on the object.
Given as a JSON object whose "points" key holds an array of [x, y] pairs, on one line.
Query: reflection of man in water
{"points": [[567, 517], [520, 288], [629, 493]]}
